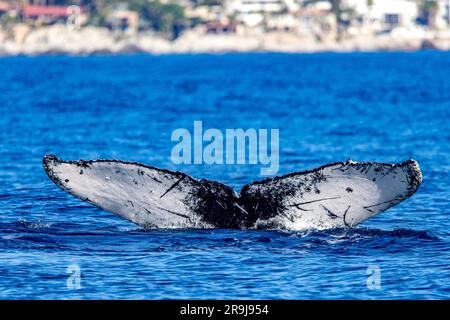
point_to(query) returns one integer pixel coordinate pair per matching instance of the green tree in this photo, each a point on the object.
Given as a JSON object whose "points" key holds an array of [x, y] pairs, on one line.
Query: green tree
{"points": [[166, 18]]}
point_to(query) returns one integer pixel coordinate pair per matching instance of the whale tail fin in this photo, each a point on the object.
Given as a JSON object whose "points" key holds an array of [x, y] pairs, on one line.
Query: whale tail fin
{"points": [[147, 196], [335, 195]]}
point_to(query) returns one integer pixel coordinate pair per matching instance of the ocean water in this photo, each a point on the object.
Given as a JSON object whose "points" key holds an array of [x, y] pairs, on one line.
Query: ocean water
{"points": [[385, 107]]}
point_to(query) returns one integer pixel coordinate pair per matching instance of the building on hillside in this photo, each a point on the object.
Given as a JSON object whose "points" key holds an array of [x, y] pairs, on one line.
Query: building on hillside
{"points": [[44, 14], [220, 27], [253, 12], [4, 8], [284, 22], [443, 14], [205, 13], [317, 20], [11, 9], [384, 14]]}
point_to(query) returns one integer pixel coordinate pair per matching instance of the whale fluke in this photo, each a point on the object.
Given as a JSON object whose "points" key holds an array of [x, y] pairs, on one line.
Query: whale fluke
{"points": [[334, 195]]}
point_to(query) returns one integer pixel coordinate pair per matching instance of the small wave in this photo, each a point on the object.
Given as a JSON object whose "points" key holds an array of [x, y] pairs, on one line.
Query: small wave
{"points": [[38, 225], [354, 233], [22, 229], [47, 228], [24, 226]]}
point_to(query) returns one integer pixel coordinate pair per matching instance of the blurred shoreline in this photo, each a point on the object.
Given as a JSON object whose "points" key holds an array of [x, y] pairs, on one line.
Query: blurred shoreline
{"points": [[58, 38]]}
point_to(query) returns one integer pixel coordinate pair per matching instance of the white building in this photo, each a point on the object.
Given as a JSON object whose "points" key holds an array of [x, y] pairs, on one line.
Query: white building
{"points": [[385, 13], [252, 12], [443, 14]]}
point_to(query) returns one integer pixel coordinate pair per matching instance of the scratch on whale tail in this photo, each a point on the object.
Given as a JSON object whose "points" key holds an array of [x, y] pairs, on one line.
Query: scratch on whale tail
{"points": [[334, 195]]}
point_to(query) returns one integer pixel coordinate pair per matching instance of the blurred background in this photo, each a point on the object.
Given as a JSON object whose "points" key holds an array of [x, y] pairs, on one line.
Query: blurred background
{"points": [[157, 26]]}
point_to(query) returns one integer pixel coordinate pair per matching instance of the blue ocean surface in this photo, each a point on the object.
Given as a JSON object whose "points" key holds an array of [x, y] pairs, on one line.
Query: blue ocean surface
{"points": [[385, 107]]}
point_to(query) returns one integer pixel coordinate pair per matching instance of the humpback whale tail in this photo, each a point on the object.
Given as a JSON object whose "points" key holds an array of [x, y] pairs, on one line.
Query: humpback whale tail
{"points": [[334, 195]]}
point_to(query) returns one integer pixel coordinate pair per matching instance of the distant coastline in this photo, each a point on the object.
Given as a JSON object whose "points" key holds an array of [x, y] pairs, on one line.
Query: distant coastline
{"points": [[58, 38]]}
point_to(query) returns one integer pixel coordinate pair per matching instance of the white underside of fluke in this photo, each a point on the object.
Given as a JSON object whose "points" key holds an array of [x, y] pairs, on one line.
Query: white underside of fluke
{"points": [[335, 195], [339, 195], [138, 194]]}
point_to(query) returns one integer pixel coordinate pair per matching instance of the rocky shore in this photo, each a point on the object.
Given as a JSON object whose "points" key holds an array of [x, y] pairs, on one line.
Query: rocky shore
{"points": [[23, 40]]}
